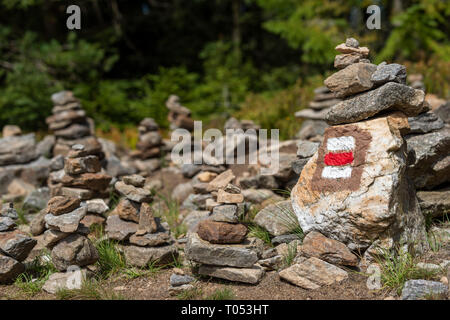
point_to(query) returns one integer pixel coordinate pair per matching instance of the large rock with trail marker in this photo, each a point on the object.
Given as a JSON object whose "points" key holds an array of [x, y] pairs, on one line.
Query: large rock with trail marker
{"points": [[355, 188]]}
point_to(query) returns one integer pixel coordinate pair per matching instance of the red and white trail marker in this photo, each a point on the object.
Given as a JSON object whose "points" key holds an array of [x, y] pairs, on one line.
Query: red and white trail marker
{"points": [[339, 157]]}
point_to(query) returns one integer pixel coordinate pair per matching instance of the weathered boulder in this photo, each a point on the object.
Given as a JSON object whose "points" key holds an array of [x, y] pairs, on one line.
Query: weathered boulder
{"points": [[390, 96], [354, 189], [428, 158], [17, 149], [65, 280]]}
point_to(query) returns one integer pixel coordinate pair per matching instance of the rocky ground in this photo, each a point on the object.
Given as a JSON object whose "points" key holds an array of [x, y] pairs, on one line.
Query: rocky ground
{"points": [[358, 207]]}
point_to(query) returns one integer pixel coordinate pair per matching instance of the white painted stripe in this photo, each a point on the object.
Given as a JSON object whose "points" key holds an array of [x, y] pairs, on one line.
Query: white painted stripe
{"points": [[332, 172], [346, 143]]}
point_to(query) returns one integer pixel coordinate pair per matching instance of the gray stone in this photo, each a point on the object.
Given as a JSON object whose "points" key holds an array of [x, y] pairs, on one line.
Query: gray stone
{"points": [[45, 146], [277, 219], [9, 269], [74, 250], [299, 164], [272, 263], [428, 158], [190, 170], [82, 194], [36, 200], [352, 42], [434, 203], [63, 97], [193, 218], [306, 149], [443, 112], [390, 96], [53, 236], [133, 193], [267, 182], [37, 224], [324, 104], [6, 224], [16, 245], [257, 195], [177, 280], [119, 229], [424, 123], [96, 206], [243, 255], [67, 222], [180, 289], [311, 129], [245, 275], [285, 238], [17, 149], [143, 256], [420, 289], [182, 191], [225, 213], [9, 211], [389, 72], [57, 163], [312, 114]]}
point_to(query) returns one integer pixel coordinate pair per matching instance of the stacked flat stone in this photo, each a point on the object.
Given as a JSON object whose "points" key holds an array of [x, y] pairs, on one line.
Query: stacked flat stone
{"points": [[70, 125], [314, 126], [143, 237], [179, 116], [15, 245], [22, 167], [219, 244], [148, 147], [82, 176], [355, 189]]}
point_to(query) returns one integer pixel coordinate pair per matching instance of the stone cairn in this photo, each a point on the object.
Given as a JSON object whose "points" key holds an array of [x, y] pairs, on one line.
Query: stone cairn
{"points": [[66, 236], [346, 190], [144, 238], [82, 177], [179, 116], [219, 244], [15, 245], [148, 151], [314, 126], [70, 125], [22, 164]]}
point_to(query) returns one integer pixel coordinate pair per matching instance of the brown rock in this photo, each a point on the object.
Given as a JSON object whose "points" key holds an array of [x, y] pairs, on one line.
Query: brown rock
{"points": [[128, 210], [59, 205], [89, 164], [206, 176], [221, 180], [225, 197], [91, 219], [147, 223], [74, 250], [118, 229], [11, 130], [91, 181], [221, 232], [344, 60], [343, 48], [9, 269], [151, 239], [332, 251]]}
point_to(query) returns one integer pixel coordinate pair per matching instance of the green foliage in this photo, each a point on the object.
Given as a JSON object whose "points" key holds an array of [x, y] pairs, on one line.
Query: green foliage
{"points": [[90, 290], [110, 259], [260, 233]]}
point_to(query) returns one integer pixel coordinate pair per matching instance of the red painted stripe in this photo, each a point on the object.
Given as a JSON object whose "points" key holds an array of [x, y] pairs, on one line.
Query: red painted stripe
{"points": [[338, 159]]}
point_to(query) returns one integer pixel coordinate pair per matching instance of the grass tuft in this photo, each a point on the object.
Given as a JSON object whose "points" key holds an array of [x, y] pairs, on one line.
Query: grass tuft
{"points": [[256, 231], [90, 290], [222, 294]]}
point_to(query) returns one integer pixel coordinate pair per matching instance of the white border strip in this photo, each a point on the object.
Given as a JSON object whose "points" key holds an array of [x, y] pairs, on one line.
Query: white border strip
{"points": [[332, 172], [345, 143]]}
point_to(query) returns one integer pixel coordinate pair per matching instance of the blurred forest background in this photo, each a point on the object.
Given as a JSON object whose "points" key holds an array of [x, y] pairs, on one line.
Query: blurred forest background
{"points": [[254, 59]]}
